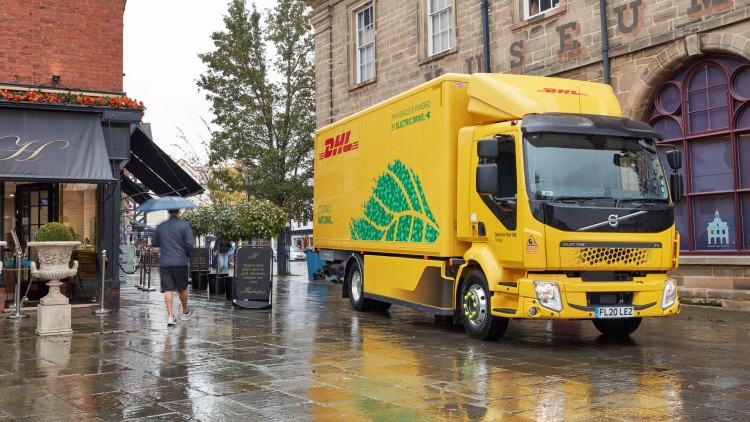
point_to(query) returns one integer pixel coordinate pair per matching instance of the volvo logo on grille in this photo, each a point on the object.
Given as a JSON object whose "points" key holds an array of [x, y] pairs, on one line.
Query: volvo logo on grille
{"points": [[613, 220]]}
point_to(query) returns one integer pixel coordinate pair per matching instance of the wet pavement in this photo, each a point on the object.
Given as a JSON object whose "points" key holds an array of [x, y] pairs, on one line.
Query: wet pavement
{"points": [[311, 357]]}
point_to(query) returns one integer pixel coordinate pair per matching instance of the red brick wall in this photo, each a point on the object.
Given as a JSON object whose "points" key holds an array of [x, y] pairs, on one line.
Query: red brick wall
{"points": [[80, 40]]}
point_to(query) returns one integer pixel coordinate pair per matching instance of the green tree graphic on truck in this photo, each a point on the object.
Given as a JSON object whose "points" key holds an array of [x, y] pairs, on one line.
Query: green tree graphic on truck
{"points": [[397, 210]]}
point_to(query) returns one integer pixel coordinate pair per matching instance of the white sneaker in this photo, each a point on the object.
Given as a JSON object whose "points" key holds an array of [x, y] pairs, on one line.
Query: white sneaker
{"points": [[186, 316], [170, 321]]}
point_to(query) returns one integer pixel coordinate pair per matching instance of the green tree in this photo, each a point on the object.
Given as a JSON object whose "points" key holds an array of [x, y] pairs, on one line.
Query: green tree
{"points": [[264, 107]]}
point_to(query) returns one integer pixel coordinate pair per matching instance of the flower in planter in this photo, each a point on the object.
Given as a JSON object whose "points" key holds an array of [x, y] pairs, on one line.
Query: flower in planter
{"points": [[70, 98]]}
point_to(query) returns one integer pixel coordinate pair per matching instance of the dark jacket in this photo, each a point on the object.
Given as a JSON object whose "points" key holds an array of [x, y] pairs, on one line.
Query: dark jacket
{"points": [[175, 239], [225, 247]]}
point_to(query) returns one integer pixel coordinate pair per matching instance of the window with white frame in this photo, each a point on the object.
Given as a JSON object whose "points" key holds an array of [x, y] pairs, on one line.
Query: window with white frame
{"points": [[439, 26], [538, 7], [365, 44]]}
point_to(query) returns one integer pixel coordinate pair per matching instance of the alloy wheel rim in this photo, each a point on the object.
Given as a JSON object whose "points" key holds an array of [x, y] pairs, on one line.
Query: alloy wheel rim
{"points": [[356, 286], [475, 305]]}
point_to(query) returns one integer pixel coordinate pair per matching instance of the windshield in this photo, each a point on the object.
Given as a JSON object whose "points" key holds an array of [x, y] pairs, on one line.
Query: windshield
{"points": [[560, 167]]}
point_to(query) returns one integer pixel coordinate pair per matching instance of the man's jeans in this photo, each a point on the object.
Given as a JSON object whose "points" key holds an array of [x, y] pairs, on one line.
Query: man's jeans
{"points": [[224, 263]]}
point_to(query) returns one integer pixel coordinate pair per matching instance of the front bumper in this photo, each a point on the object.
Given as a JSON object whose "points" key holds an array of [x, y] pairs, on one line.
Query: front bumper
{"points": [[646, 293]]}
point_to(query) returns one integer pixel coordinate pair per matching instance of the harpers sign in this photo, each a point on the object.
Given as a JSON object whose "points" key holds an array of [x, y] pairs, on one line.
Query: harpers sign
{"points": [[52, 146]]}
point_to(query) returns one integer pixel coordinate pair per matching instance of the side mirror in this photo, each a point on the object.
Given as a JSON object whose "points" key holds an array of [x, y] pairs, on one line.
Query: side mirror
{"points": [[487, 148], [487, 181], [674, 158], [676, 185]]}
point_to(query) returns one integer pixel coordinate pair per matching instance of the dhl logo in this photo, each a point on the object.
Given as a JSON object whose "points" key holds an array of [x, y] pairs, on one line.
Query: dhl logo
{"points": [[560, 91], [338, 145]]}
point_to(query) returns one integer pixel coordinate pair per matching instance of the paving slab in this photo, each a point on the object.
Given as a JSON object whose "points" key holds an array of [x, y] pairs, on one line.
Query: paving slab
{"points": [[310, 357]]}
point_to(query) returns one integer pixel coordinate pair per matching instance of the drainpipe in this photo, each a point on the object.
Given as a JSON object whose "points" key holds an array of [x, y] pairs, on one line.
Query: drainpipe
{"points": [[605, 40], [486, 35]]}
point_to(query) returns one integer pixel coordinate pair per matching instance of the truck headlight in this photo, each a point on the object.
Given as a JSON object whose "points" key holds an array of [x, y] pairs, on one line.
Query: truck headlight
{"points": [[669, 296], [548, 294]]}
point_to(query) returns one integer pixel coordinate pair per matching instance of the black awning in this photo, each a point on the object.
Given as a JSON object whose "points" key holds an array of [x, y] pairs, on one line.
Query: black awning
{"points": [[133, 190], [47, 145], [152, 166]]}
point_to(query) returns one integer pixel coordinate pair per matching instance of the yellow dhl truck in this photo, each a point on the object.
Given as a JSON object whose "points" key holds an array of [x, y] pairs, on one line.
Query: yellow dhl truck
{"points": [[488, 197]]}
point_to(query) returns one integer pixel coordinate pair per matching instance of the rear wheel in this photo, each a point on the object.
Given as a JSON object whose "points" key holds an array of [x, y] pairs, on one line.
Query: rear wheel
{"points": [[619, 327], [476, 316], [355, 282]]}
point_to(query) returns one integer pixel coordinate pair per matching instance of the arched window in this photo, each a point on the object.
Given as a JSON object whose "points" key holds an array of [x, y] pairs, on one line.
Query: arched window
{"points": [[703, 109]]}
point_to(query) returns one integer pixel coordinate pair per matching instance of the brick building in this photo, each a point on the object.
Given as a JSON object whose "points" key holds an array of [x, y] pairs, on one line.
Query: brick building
{"points": [[70, 140], [681, 65]]}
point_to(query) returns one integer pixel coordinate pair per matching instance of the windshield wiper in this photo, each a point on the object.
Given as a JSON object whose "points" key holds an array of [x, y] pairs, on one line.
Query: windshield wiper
{"points": [[573, 199], [640, 202]]}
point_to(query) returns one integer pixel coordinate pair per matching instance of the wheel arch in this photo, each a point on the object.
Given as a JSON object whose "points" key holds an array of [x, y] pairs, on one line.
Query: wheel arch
{"points": [[478, 257]]}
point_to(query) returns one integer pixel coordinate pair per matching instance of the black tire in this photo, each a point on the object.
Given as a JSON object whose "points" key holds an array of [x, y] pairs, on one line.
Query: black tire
{"points": [[356, 286], [474, 306], [379, 306], [618, 327]]}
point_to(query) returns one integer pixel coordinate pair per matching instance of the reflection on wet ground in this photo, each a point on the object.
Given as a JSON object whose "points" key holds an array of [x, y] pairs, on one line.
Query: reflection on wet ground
{"points": [[311, 358]]}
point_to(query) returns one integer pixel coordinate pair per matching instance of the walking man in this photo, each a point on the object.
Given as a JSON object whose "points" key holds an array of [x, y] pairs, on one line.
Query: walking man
{"points": [[175, 239]]}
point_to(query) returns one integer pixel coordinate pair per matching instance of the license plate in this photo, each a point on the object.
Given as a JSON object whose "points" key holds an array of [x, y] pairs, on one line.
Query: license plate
{"points": [[614, 312]]}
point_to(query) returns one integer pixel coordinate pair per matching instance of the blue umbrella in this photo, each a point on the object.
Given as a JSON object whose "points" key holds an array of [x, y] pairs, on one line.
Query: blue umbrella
{"points": [[165, 203]]}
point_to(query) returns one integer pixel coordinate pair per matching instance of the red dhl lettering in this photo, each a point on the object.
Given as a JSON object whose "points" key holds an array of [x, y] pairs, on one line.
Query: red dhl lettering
{"points": [[560, 91], [338, 145]]}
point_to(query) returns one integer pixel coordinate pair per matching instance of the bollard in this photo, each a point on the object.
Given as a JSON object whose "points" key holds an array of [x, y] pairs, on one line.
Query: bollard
{"points": [[142, 272], [150, 263], [17, 294], [101, 310]]}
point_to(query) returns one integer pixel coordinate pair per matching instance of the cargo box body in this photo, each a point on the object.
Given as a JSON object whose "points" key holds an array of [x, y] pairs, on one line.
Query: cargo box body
{"points": [[385, 178]]}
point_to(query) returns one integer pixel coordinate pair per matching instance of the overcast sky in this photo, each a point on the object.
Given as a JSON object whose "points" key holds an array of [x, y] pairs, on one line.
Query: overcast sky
{"points": [[161, 64]]}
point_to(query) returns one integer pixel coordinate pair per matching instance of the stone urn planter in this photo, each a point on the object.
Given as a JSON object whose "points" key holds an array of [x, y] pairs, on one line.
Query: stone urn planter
{"points": [[54, 311]]}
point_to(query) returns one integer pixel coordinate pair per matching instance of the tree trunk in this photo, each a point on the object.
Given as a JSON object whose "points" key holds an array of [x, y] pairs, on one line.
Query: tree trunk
{"points": [[282, 255]]}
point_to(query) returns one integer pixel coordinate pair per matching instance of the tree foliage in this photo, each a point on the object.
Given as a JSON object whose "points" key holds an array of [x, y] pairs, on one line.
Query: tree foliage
{"points": [[253, 218], [264, 107]]}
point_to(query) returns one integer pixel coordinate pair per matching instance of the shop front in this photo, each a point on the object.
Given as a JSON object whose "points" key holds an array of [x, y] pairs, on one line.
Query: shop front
{"points": [[63, 163]]}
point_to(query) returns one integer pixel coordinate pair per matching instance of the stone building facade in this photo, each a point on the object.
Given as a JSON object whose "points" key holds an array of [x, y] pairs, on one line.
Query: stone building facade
{"points": [[681, 65]]}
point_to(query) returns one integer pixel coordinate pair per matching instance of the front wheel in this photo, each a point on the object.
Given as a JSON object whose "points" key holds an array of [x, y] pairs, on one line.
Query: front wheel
{"points": [[476, 316], [618, 327]]}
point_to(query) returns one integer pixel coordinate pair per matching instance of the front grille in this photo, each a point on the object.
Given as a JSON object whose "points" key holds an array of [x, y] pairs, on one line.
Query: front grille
{"points": [[609, 298], [614, 257]]}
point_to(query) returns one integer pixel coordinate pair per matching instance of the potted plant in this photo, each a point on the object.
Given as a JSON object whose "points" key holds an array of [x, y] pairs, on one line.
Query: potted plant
{"points": [[54, 245]]}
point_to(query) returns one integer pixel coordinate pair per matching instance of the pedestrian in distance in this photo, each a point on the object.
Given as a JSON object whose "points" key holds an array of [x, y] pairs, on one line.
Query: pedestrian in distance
{"points": [[175, 239], [222, 250]]}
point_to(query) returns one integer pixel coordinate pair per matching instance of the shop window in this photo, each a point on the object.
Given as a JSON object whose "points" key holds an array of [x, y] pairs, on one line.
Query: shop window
{"points": [[440, 26], [707, 100], [681, 223], [537, 7], [743, 120], [365, 37], [715, 225], [668, 127], [711, 165], [744, 160], [703, 109], [742, 83]]}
